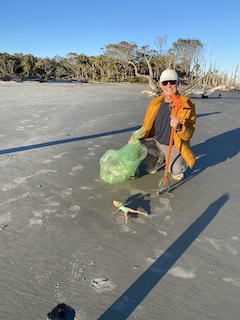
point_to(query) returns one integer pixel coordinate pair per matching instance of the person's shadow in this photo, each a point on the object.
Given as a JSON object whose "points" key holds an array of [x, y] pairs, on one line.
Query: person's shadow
{"points": [[213, 151]]}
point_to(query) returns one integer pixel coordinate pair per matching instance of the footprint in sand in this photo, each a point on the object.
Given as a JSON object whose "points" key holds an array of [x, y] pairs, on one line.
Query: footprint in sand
{"points": [[47, 161], [162, 233], [219, 244], [123, 304], [74, 210], [86, 188], [89, 142], [230, 249], [35, 221], [24, 121], [54, 204], [155, 265], [80, 315], [75, 170], [124, 228], [27, 194], [66, 193], [102, 285], [38, 216], [95, 197], [72, 213], [8, 187], [234, 281], [19, 128], [140, 220], [58, 156], [163, 208], [182, 273], [20, 180]]}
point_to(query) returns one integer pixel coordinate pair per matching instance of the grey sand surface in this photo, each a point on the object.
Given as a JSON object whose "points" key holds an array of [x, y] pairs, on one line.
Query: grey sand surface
{"points": [[60, 241]]}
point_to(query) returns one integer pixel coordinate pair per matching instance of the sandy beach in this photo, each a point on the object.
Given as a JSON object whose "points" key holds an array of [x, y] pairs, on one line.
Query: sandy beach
{"points": [[60, 242]]}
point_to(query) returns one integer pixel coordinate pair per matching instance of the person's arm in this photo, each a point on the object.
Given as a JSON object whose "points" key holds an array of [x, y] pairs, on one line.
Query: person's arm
{"points": [[138, 134], [148, 120]]}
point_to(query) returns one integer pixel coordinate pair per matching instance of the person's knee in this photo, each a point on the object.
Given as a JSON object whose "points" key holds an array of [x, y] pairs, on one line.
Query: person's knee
{"points": [[178, 168]]}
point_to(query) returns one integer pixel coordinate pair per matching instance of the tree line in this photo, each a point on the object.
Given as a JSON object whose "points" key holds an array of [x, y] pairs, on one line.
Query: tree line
{"points": [[122, 62]]}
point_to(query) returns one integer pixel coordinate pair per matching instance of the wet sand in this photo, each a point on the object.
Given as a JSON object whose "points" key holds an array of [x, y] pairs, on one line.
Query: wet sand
{"points": [[60, 242]]}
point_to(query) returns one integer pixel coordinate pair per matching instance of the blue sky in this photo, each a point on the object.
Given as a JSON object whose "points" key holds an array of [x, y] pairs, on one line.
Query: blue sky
{"points": [[46, 28]]}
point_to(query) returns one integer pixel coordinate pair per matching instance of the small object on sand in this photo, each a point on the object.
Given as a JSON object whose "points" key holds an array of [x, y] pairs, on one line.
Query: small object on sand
{"points": [[126, 210], [61, 311], [204, 95]]}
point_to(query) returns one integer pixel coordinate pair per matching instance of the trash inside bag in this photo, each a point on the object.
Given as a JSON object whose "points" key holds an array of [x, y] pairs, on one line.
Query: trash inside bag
{"points": [[120, 165]]}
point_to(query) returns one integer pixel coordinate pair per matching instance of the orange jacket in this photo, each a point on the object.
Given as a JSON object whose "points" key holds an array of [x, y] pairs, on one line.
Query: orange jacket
{"points": [[187, 116]]}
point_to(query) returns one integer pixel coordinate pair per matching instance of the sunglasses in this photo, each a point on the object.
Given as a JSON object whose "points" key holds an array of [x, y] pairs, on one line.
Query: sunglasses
{"points": [[172, 82]]}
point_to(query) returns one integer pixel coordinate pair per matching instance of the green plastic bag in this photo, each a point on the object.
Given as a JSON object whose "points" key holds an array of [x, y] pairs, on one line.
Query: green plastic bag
{"points": [[120, 165]]}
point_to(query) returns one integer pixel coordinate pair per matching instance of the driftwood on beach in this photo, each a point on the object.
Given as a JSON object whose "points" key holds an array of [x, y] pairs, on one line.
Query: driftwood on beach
{"points": [[208, 83], [205, 85]]}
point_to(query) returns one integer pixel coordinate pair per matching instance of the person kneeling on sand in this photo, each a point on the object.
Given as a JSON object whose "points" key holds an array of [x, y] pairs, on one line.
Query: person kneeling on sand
{"points": [[158, 123]]}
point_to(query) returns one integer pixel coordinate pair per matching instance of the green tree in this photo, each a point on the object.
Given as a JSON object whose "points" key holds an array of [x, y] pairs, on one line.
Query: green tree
{"points": [[130, 54], [187, 54]]}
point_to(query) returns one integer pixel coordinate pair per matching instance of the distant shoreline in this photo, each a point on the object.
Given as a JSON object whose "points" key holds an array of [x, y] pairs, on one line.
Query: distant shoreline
{"points": [[144, 87]]}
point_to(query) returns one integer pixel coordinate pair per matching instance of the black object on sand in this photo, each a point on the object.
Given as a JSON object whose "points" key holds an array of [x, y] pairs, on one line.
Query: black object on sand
{"points": [[61, 312]]}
